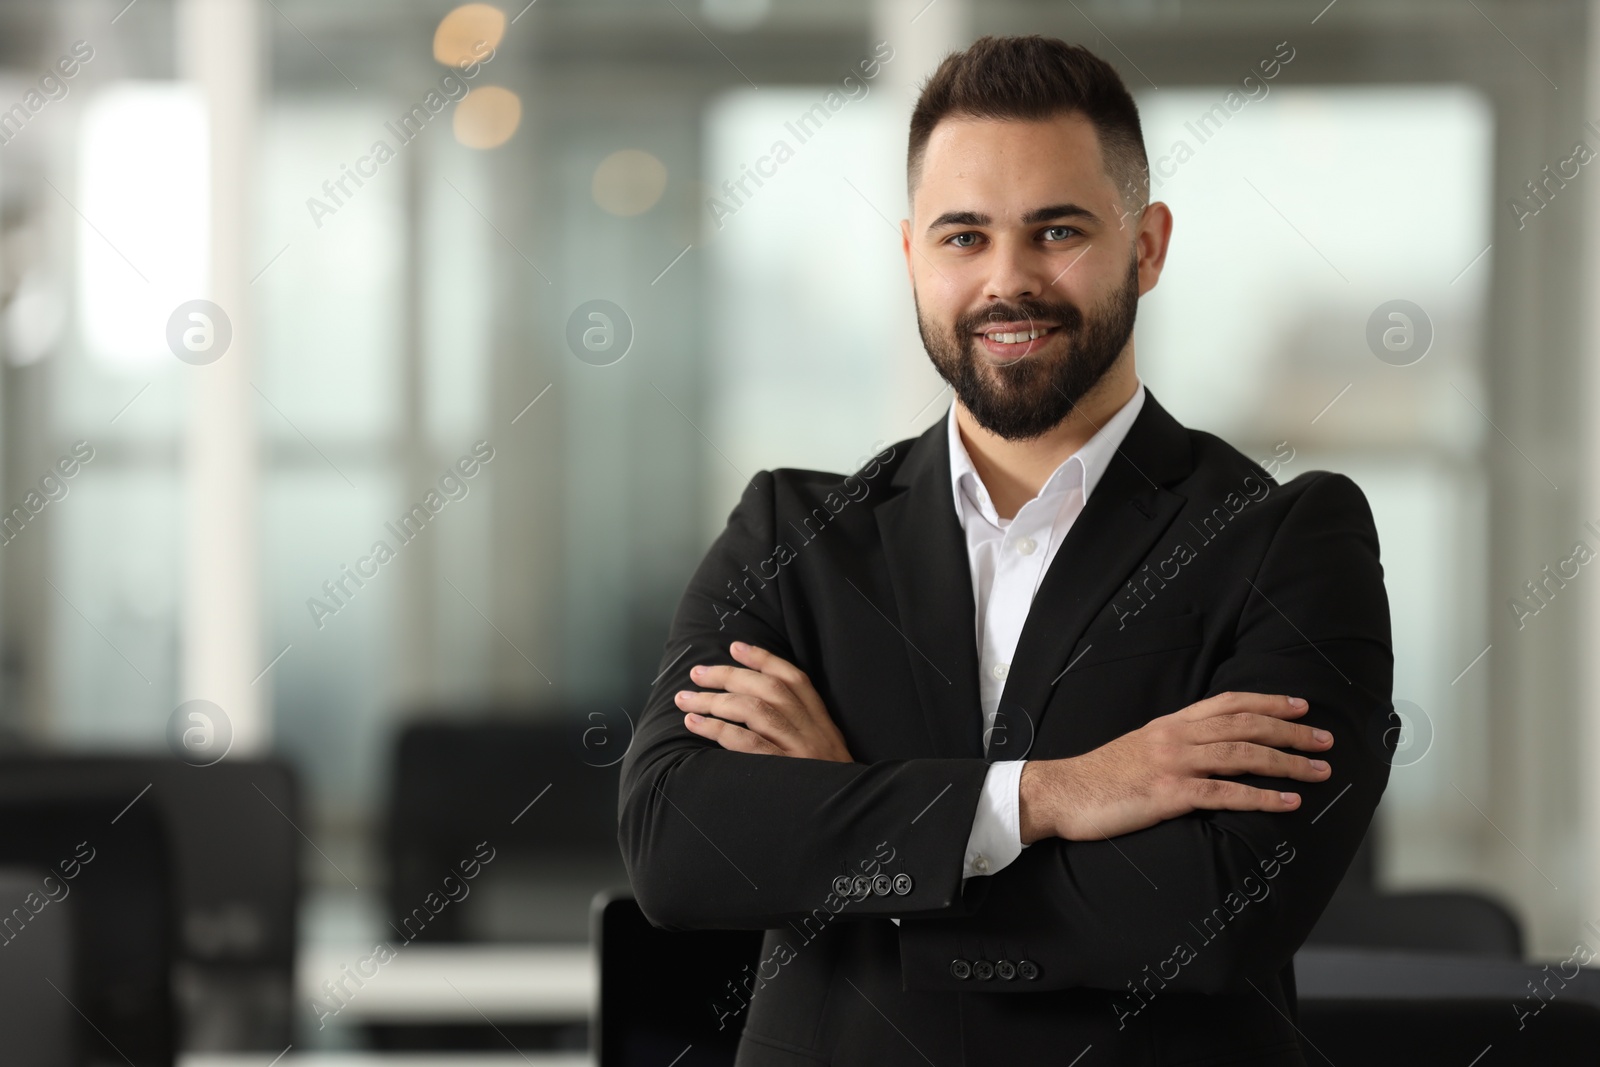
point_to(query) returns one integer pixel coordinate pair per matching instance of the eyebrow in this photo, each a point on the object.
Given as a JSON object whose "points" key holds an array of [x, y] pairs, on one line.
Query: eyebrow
{"points": [[1038, 214]]}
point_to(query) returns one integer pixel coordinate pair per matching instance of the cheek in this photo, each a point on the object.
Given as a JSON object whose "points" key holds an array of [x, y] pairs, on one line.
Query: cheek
{"points": [[1075, 292], [947, 289]]}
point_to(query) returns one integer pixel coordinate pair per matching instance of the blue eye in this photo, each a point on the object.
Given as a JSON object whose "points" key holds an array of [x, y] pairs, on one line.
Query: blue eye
{"points": [[959, 236], [1065, 231]]}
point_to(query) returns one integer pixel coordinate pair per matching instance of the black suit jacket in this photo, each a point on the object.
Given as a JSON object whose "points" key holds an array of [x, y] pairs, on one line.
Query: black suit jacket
{"points": [[1190, 572]]}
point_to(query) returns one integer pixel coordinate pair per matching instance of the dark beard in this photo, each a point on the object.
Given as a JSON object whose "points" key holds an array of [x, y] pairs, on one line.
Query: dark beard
{"points": [[1029, 398]]}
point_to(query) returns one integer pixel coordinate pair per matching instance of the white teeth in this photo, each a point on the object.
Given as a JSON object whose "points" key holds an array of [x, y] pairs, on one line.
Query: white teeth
{"points": [[1016, 338]]}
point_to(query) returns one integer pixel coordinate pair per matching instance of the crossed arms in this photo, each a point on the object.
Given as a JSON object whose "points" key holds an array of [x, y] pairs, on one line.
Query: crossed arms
{"points": [[1145, 844]]}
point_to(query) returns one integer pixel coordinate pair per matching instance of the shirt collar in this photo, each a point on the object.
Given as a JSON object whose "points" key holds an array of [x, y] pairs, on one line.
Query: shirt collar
{"points": [[1089, 462]]}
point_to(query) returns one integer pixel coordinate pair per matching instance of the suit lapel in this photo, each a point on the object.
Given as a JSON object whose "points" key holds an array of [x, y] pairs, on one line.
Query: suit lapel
{"points": [[1126, 514], [926, 552]]}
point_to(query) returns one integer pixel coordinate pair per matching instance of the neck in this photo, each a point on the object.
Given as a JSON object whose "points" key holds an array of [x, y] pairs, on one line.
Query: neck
{"points": [[1015, 471]]}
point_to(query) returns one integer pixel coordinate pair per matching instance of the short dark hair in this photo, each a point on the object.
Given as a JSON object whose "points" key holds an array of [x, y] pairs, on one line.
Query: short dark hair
{"points": [[1033, 78]]}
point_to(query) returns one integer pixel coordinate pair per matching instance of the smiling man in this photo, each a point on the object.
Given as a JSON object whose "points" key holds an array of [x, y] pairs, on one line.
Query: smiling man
{"points": [[1011, 739]]}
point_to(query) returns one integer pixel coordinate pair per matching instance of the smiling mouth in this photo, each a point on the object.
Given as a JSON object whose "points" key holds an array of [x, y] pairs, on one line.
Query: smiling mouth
{"points": [[1012, 345], [1012, 337]]}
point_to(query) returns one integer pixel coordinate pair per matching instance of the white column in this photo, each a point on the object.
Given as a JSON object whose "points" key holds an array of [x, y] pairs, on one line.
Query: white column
{"points": [[221, 646], [921, 34], [1589, 511]]}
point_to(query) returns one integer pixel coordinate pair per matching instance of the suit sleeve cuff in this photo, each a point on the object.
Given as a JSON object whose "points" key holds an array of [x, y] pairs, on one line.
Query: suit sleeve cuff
{"points": [[996, 838]]}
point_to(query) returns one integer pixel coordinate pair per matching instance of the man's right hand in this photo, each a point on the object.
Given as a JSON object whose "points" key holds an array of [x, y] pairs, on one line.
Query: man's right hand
{"points": [[1166, 768]]}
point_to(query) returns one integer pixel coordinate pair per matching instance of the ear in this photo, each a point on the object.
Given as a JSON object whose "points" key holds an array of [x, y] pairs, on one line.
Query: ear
{"points": [[1152, 241]]}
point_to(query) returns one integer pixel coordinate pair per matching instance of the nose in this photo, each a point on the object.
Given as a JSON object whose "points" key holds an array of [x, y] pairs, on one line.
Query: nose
{"points": [[1016, 271]]}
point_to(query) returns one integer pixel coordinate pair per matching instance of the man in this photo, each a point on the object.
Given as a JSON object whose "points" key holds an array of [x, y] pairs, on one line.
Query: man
{"points": [[1011, 740]]}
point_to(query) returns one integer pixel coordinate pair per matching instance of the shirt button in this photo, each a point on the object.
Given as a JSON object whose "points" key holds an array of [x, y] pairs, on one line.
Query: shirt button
{"points": [[1026, 545], [1000, 670], [980, 864]]}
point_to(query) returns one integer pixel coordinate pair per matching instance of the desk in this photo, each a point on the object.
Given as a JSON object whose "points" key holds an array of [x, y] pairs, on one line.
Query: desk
{"points": [[455, 984], [1325, 972]]}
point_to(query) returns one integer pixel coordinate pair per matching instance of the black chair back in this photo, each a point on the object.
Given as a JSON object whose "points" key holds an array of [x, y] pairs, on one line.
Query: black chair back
{"points": [[1422, 922], [665, 995], [528, 805], [104, 866], [36, 971], [234, 877]]}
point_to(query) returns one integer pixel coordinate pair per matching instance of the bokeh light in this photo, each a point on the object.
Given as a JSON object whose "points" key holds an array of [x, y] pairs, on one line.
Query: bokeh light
{"points": [[629, 182], [487, 117]]}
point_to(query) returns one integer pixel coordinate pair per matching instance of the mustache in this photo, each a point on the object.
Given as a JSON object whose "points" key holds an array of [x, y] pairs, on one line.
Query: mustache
{"points": [[1067, 315]]}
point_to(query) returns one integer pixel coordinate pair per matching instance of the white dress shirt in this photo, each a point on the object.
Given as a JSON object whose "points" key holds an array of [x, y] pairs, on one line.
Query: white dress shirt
{"points": [[1008, 560]]}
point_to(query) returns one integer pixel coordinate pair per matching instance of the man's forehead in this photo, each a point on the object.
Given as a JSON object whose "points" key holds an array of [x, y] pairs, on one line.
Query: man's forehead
{"points": [[1007, 168]]}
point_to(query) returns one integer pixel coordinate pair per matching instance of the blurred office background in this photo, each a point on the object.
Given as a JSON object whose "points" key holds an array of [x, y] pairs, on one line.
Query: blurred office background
{"points": [[430, 309]]}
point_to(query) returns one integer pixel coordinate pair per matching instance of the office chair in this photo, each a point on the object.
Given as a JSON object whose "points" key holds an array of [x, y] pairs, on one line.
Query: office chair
{"points": [[1423, 921], [1391, 1007], [108, 939], [665, 995], [234, 881], [534, 792], [505, 822], [36, 973], [1362, 916]]}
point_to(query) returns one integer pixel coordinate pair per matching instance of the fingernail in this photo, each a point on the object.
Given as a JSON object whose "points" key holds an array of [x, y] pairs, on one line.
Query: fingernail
{"points": [[696, 719], [740, 646], [1320, 765], [694, 672], [1289, 797], [682, 694], [1296, 702], [1322, 736]]}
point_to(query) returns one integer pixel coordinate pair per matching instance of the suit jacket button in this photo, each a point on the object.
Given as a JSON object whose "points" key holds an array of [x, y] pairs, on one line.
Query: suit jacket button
{"points": [[961, 969], [1006, 969], [861, 887], [841, 885], [1028, 969], [902, 884], [983, 970], [881, 885]]}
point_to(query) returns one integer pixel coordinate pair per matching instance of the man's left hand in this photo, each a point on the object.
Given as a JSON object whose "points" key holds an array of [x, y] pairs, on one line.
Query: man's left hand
{"points": [[771, 708]]}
